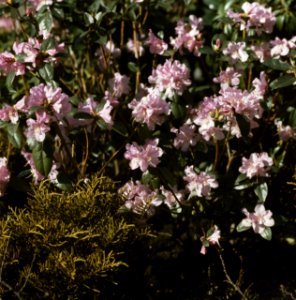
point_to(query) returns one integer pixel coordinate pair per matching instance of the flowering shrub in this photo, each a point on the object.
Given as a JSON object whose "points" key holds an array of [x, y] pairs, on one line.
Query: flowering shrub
{"points": [[188, 104]]}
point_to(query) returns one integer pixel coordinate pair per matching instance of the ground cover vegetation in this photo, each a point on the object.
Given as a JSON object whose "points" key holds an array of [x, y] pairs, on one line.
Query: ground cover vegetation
{"points": [[147, 149]]}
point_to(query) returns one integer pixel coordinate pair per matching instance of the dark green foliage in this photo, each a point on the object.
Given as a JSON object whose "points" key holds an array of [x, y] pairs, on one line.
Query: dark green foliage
{"points": [[65, 245]]}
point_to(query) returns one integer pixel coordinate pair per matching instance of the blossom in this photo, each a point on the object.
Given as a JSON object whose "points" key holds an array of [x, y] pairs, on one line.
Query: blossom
{"points": [[257, 165], [199, 185], [189, 35], [259, 220], [119, 85], [171, 77], [9, 113], [186, 136], [151, 110], [93, 108], [38, 128], [139, 198], [212, 238], [173, 199], [47, 96], [228, 77], [9, 64], [254, 16], [285, 132], [143, 156], [281, 47], [156, 45], [4, 175], [236, 52]]}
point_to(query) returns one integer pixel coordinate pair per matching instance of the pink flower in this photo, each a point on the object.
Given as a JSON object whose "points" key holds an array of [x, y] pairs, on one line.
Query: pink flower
{"points": [[38, 128], [170, 199], [227, 78], [259, 220], [171, 77], [285, 132], [156, 45], [189, 35], [257, 165], [199, 185], [143, 156], [261, 51], [119, 85], [151, 110], [4, 175], [254, 16], [236, 52], [281, 47], [9, 114], [93, 108], [186, 136], [9, 64], [48, 97], [139, 198], [212, 238], [7, 23]]}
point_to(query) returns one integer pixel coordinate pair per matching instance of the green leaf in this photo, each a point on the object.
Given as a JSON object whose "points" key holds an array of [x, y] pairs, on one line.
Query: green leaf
{"points": [[15, 135], [82, 115], [120, 128], [283, 81], [47, 72], [240, 227], [132, 67], [276, 64], [42, 156], [178, 110], [266, 233], [88, 19], [47, 44], [261, 191], [45, 21], [9, 81]]}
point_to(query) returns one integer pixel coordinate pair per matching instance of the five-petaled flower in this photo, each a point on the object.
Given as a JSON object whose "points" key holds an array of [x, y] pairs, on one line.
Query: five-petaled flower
{"points": [[260, 220], [212, 238]]}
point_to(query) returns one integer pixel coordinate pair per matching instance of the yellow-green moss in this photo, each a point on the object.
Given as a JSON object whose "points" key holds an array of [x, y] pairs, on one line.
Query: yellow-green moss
{"points": [[64, 245]]}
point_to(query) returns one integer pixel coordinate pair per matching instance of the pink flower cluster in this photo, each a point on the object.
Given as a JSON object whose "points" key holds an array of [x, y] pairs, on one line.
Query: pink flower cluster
{"points": [[236, 52], [143, 156], [156, 45], [150, 109], [4, 175], [139, 198], [199, 185], [186, 136], [218, 113], [189, 36], [285, 132], [254, 16], [257, 165], [170, 78], [277, 49], [27, 55], [258, 220], [94, 108]]}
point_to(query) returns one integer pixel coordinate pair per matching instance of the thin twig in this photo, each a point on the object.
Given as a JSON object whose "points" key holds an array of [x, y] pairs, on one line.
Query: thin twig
{"points": [[229, 280]]}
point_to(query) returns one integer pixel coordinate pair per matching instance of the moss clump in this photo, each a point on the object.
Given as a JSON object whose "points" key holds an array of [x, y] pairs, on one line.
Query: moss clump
{"points": [[65, 245]]}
